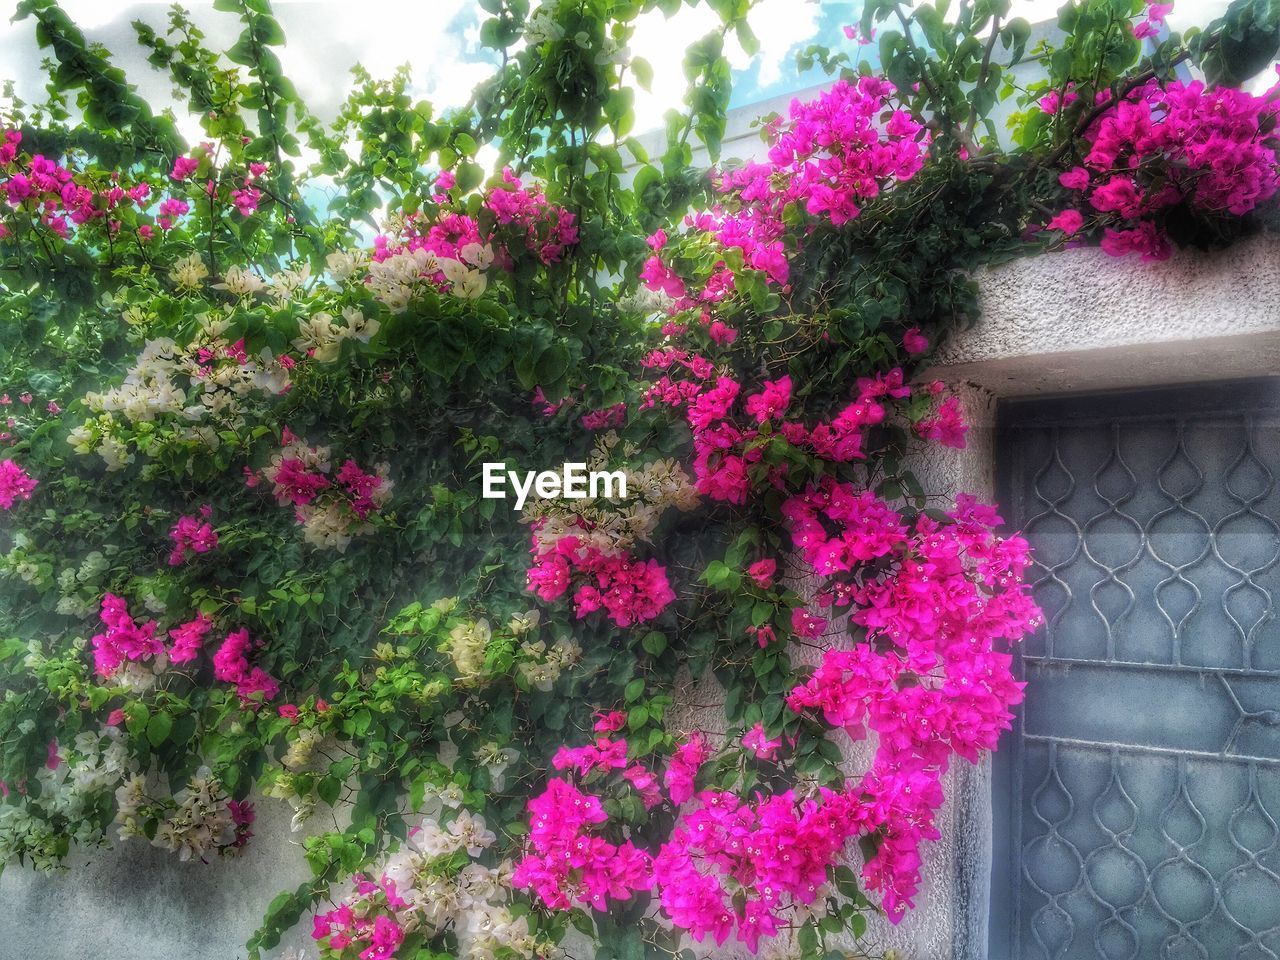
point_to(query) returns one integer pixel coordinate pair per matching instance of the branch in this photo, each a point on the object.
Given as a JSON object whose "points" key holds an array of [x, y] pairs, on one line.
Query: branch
{"points": [[982, 76]]}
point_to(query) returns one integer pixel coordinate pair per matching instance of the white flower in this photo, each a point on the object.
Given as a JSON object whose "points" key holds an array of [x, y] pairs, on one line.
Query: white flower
{"points": [[342, 264], [467, 645], [472, 833], [479, 255], [496, 759], [463, 281], [318, 337], [542, 27], [240, 282], [288, 282], [82, 439], [524, 622], [114, 454], [188, 272], [358, 326]]}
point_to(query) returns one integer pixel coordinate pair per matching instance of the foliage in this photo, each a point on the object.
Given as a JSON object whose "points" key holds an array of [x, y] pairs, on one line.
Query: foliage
{"points": [[245, 546]]}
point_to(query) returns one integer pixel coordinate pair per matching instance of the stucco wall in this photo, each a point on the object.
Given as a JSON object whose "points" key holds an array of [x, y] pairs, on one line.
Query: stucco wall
{"points": [[1070, 321]]}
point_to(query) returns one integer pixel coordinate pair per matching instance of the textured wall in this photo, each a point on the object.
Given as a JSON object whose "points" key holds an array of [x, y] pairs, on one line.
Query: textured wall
{"points": [[1080, 320], [136, 902], [1069, 321]]}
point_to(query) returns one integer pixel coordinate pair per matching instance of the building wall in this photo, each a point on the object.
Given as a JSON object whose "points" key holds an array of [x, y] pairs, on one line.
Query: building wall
{"points": [[1074, 321]]}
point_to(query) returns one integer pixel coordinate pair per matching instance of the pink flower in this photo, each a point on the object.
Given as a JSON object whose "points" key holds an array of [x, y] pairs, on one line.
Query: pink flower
{"points": [[183, 167], [610, 722], [15, 484], [288, 710], [386, 937], [123, 639], [772, 401], [606, 419], [756, 741], [188, 638], [191, 535], [682, 771], [806, 625], [722, 333], [1143, 239], [115, 718], [657, 276], [946, 425], [629, 591], [231, 665], [762, 572], [915, 342], [1077, 178], [1119, 194], [246, 199], [1068, 221]]}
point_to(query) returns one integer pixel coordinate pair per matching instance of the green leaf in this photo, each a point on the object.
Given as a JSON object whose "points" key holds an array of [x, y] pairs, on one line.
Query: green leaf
{"points": [[643, 71], [158, 728]]}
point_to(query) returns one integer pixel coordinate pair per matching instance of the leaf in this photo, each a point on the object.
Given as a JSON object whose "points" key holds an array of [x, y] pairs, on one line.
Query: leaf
{"points": [[158, 728], [1248, 40], [643, 71]]}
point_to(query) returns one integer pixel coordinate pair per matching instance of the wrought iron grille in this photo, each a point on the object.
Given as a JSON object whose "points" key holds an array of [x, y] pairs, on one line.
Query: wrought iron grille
{"points": [[1138, 798]]}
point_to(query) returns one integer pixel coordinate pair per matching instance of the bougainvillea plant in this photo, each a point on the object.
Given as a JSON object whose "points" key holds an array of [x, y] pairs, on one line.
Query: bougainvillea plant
{"points": [[249, 383]]}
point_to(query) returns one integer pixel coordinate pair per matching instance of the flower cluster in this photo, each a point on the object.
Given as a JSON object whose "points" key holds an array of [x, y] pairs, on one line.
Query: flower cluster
{"points": [[332, 508], [124, 642], [231, 664], [587, 543], [728, 867], [1213, 149], [741, 868], [569, 860], [199, 388], [936, 603], [192, 535], [538, 666], [832, 154], [122, 649], [72, 784], [196, 821], [729, 449], [55, 196], [630, 591], [443, 249], [436, 881], [15, 484]]}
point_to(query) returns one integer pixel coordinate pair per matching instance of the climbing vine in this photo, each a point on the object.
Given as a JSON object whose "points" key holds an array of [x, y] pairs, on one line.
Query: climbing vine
{"points": [[251, 384]]}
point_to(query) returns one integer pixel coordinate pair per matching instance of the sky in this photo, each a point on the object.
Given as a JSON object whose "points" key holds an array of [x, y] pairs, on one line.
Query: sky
{"points": [[440, 41]]}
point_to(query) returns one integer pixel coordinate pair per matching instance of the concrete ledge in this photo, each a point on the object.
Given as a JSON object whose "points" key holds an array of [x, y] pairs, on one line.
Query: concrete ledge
{"points": [[1080, 320]]}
